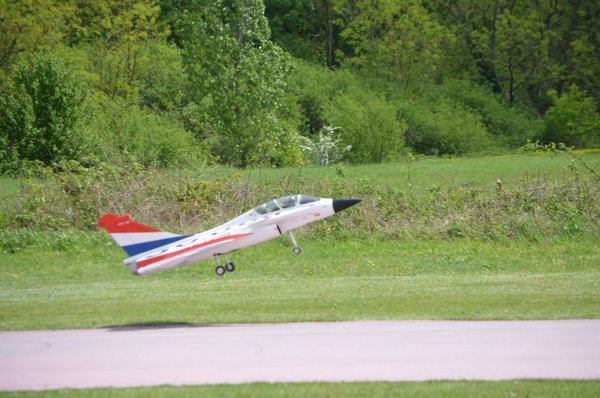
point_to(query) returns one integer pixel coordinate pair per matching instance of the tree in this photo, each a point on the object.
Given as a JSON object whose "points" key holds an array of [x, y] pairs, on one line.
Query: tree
{"points": [[41, 112], [575, 46], [116, 33], [305, 28], [525, 48], [30, 25], [521, 55], [237, 77], [397, 39]]}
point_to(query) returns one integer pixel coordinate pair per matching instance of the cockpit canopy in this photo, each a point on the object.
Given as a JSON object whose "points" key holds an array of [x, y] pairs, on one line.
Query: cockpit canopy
{"points": [[284, 203]]}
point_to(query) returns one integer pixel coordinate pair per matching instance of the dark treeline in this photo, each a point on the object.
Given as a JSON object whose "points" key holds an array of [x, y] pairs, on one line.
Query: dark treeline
{"points": [[291, 82]]}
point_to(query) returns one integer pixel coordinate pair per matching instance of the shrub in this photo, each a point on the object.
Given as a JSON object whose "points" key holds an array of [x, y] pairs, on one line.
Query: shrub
{"points": [[367, 120], [41, 112], [72, 195], [511, 125], [368, 124], [127, 133], [444, 128], [572, 120], [326, 149]]}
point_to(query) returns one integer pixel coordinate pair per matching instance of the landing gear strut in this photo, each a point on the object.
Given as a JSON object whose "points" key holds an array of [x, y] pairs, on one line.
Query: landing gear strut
{"points": [[220, 269], [297, 249]]}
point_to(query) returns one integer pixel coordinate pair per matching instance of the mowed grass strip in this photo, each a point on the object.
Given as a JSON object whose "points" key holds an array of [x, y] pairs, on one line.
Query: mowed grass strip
{"points": [[429, 389], [331, 281], [425, 172]]}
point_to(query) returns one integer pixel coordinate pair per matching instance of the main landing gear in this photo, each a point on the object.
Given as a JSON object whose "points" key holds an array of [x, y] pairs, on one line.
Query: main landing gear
{"points": [[220, 269]]}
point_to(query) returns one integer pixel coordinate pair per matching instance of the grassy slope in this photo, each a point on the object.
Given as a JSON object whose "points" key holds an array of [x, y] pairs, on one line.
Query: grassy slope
{"points": [[448, 172], [458, 279]]}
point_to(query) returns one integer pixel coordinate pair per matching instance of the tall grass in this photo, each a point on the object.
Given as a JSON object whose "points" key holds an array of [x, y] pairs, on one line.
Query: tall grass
{"points": [[72, 196]]}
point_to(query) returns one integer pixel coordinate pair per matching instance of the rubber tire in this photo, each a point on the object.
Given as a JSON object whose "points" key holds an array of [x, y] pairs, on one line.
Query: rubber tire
{"points": [[230, 267], [220, 270], [297, 250]]}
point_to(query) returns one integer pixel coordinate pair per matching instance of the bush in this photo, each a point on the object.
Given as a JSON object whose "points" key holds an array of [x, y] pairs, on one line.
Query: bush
{"points": [[41, 113], [572, 120], [161, 78], [73, 195], [444, 128], [326, 149], [367, 121], [510, 125], [368, 124], [127, 133]]}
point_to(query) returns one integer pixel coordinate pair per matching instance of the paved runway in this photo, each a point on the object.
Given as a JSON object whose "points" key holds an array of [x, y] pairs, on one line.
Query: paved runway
{"points": [[344, 351]]}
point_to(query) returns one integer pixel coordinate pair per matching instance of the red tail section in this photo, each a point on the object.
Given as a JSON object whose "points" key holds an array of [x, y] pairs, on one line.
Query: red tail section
{"points": [[123, 224], [135, 237]]}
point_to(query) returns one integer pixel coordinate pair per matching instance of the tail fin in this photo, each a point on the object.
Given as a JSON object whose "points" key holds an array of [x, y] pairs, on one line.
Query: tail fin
{"points": [[135, 237]]}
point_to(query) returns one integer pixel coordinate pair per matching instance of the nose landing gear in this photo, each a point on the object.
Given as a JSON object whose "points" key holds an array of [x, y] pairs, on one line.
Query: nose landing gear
{"points": [[297, 249]]}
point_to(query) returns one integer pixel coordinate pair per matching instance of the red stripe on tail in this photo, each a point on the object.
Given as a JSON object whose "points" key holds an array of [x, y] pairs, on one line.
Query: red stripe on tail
{"points": [[123, 224]]}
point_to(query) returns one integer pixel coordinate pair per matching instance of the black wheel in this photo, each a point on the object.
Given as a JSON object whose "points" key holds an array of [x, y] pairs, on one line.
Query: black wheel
{"points": [[230, 267], [297, 250], [220, 270]]}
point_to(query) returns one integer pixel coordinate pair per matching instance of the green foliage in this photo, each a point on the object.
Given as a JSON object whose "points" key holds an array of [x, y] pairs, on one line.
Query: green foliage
{"points": [[367, 121], [572, 120], [510, 125], [524, 48], [395, 39], [237, 77], [301, 27], [116, 34], [28, 26], [127, 133], [161, 78], [73, 195], [439, 77], [444, 127], [41, 112], [521, 54], [368, 124], [325, 149]]}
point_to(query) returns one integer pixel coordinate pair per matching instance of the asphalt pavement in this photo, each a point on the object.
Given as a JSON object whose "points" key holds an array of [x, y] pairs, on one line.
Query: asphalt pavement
{"points": [[340, 351]]}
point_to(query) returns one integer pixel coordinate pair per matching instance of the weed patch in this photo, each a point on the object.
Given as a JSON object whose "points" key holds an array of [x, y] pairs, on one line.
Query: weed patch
{"points": [[72, 196]]}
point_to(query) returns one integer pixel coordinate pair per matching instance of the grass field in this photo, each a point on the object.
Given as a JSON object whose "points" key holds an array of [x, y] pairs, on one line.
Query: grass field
{"points": [[423, 173], [56, 288], [56, 280]]}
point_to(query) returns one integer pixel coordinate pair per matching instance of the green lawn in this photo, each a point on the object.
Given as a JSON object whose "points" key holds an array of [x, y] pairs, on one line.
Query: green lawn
{"points": [[51, 280], [48, 287], [430, 389], [423, 173]]}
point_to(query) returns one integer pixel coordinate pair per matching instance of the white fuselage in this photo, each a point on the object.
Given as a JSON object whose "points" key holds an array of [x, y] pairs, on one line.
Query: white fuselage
{"points": [[246, 230]]}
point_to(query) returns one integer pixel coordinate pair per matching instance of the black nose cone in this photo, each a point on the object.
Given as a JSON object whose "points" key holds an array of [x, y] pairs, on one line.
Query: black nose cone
{"points": [[341, 204]]}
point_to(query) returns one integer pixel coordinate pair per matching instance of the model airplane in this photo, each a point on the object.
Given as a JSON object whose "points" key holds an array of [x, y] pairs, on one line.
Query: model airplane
{"points": [[152, 250]]}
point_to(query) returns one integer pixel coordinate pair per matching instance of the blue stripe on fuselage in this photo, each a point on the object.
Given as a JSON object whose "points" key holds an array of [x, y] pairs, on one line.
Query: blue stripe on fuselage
{"points": [[138, 248]]}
